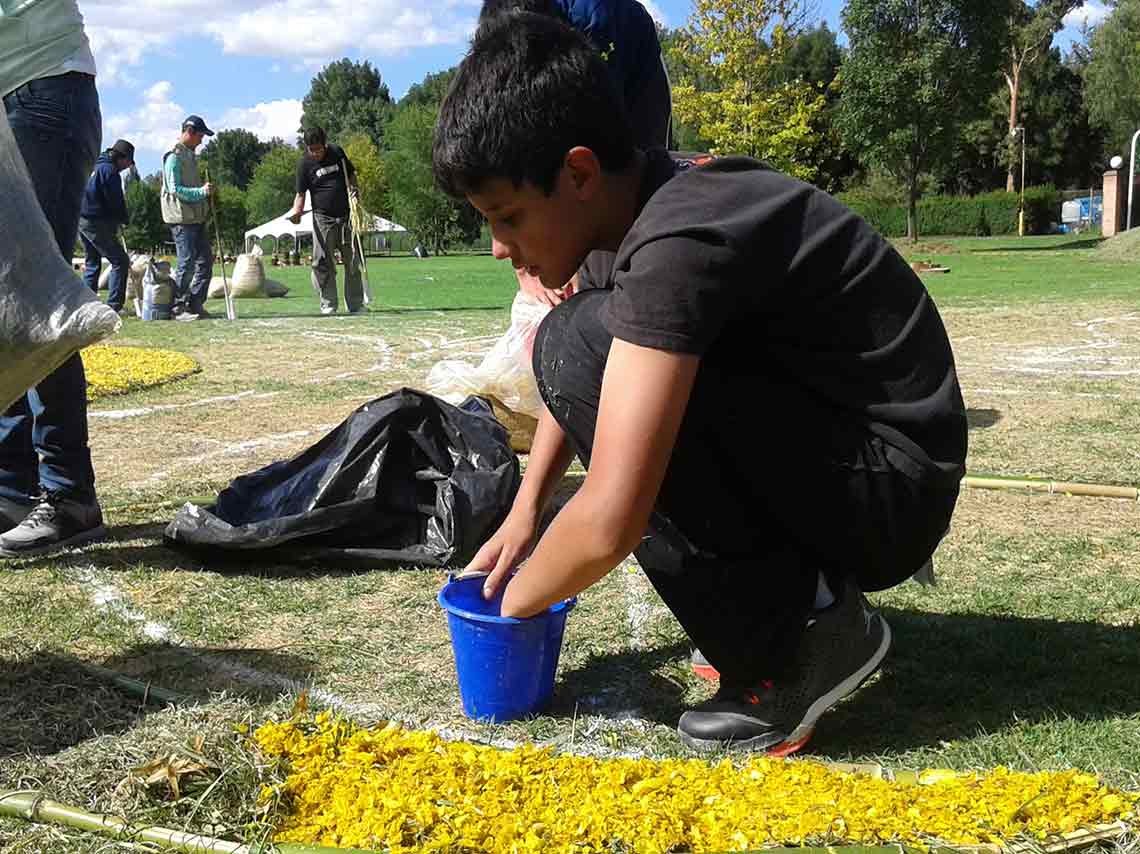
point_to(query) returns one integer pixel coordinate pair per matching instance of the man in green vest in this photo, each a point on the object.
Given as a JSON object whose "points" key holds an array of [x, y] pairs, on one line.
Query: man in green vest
{"points": [[185, 208], [47, 78]]}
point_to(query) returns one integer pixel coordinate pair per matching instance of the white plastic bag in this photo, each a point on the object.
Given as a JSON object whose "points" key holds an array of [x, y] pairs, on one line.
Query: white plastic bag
{"points": [[46, 314], [505, 372]]}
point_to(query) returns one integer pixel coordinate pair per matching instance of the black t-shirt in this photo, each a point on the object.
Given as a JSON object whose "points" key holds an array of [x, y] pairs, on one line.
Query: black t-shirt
{"points": [[325, 181], [764, 275]]}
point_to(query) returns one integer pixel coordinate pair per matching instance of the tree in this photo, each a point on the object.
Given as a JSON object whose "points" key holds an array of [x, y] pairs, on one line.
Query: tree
{"points": [[146, 230], [347, 97], [370, 175], [430, 92], [232, 155], [1062, 149], [1112, 78], [1029, 33], [730, 56], [233, 219], [815, 57], [274, 184], [915, 71], [416, 203]]}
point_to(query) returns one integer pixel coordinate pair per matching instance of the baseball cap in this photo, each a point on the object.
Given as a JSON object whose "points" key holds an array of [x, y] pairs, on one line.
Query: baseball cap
{"points": [[198, 124], [124, 148]]}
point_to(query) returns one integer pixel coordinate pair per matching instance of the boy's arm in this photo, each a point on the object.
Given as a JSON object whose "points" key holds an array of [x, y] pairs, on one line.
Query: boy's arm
{"points": [[172, 172], [117, 200], [550, 456], [644, 396]]}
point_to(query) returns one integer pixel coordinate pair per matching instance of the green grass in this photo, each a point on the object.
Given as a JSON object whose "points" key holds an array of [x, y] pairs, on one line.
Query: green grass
{"points": [[1027, 654], [1013, 270]]}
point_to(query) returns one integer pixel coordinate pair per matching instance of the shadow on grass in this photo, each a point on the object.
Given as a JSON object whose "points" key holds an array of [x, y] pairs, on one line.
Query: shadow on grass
{"points": [[50, 702], [982, 419], [332, 319], [623, 684], [1088, 243], [953, 676]]}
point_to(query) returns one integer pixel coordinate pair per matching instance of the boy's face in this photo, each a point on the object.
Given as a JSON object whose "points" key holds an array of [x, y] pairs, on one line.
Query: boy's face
{"points": [[548, 236]]}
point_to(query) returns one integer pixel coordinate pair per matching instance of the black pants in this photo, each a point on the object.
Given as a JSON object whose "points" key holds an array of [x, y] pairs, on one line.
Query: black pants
{"points": [[751, 511]]}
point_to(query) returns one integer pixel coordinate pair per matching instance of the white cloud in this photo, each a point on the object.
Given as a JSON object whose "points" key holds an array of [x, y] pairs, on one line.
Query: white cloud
{"points": [[312, 34], [154, 125], [267, 119], [1091, 13]]}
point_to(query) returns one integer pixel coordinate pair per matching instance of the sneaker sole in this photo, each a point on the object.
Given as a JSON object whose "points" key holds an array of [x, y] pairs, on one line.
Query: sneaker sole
{"points": [[79, 539], [803, 732]]}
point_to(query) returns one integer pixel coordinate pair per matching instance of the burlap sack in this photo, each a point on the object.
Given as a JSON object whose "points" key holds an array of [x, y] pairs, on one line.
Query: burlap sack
{"points": [[46, 314], [247, 280]]}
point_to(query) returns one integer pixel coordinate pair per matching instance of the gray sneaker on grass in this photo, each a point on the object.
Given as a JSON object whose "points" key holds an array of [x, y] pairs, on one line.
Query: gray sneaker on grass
{"points": [[12, 513], [841, 646], [54, 523]]}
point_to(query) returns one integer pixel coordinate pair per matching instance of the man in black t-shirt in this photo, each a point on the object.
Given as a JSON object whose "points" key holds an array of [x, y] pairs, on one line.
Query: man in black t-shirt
{"points": [[327, 175], [763, 392]]}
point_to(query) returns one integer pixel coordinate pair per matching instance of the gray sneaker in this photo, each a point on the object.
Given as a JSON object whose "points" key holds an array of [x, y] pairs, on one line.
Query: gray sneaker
{"points": [[55, 523], [12, 513], [842, 645]]}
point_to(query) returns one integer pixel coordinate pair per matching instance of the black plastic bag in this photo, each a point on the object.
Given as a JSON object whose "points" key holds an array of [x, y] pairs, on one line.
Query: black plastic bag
{"points": [[406, 478]]}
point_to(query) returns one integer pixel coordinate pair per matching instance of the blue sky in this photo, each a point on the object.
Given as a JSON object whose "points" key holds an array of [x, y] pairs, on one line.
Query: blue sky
{"points": [[248, 63]]}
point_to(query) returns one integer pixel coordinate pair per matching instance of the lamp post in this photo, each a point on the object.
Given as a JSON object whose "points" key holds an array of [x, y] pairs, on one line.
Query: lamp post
{"points": [[1021, 202], [1132, 179]]}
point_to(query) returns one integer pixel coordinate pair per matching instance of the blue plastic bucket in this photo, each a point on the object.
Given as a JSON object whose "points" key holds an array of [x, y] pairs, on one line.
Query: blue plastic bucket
{"points": [[505, 665]]}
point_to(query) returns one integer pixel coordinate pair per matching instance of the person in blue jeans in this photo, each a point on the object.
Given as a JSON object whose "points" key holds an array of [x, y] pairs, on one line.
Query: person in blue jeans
{"points": [[47, 77], [104, 209], [185, 208]]}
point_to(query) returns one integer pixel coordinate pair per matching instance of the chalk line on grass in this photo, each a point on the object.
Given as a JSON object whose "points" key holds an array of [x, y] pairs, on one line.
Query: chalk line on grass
{"points": [[117, 414]]}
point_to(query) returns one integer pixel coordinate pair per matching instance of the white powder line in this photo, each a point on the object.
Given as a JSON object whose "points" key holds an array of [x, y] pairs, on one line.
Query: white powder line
{"points": [[233, 449], [108, 598], [164, 407], [342, 338], [1013, 392]]}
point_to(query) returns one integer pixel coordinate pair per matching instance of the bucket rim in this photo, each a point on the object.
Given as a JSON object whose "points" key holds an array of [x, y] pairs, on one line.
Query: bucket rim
{"points": [[556, 608]]}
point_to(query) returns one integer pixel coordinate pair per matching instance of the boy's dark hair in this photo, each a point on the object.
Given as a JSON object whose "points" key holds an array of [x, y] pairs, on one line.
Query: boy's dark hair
{"points": [[530, 89], [315, 136], [491, 8]]}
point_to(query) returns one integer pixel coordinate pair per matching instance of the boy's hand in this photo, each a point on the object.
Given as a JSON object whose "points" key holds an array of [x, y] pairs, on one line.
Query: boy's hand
{"points": [[508, 547], [532, 287]]}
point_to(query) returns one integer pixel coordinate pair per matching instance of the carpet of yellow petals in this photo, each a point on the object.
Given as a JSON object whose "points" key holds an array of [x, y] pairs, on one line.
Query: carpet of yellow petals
{"points": [[116, 370], [407, 791]]}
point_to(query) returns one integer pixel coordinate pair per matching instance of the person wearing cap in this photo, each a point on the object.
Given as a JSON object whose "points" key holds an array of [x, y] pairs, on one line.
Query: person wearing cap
{"points": [[185, 208], [103, 211], [47, 79]]}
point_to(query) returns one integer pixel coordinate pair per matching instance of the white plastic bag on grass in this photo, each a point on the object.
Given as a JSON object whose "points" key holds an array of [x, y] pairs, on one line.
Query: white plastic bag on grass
{"points": [[505, 372], [46, 314]]}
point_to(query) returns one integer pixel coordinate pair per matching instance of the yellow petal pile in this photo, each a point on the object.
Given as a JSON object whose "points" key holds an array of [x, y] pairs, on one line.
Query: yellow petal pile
{"points": [[406, 791], [116, 370]]}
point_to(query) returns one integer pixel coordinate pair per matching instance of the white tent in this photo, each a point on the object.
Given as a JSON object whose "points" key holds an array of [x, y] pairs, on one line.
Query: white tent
{"points": [[283, 227]]}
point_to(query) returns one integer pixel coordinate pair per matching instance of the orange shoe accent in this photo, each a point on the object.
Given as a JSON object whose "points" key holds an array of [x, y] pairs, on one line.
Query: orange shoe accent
{"points": [[707, 671], [787, 748]]}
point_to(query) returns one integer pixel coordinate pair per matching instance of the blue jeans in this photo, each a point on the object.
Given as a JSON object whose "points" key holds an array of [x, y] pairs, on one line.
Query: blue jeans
{"points": [[195, 266], [43, 436], [100, 241]]}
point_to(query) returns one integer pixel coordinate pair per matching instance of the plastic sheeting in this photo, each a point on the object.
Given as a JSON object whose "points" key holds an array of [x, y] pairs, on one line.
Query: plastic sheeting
{"points": [[406, 478], [46, 314]]}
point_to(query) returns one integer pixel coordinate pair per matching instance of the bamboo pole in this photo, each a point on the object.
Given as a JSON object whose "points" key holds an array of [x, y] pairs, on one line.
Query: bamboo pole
{"points": [[231, 309], [33, 806], [1052, 487], [356, 221], [144, 690]]}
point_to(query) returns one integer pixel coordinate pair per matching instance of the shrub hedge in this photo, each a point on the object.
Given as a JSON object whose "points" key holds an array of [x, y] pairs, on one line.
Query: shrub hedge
{"points": [[989, 213]]}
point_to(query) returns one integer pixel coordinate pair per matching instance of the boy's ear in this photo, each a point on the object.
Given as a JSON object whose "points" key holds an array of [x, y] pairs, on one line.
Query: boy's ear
{"points": [[584, 171]]}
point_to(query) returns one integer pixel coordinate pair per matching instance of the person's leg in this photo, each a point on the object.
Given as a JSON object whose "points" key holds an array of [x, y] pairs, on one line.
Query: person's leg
{"points": [[184, 269], [324, 266], [751, 513], [92, 257], [57, 124], [353, 284], [120, 269], [103, 239], [203, 255]]}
